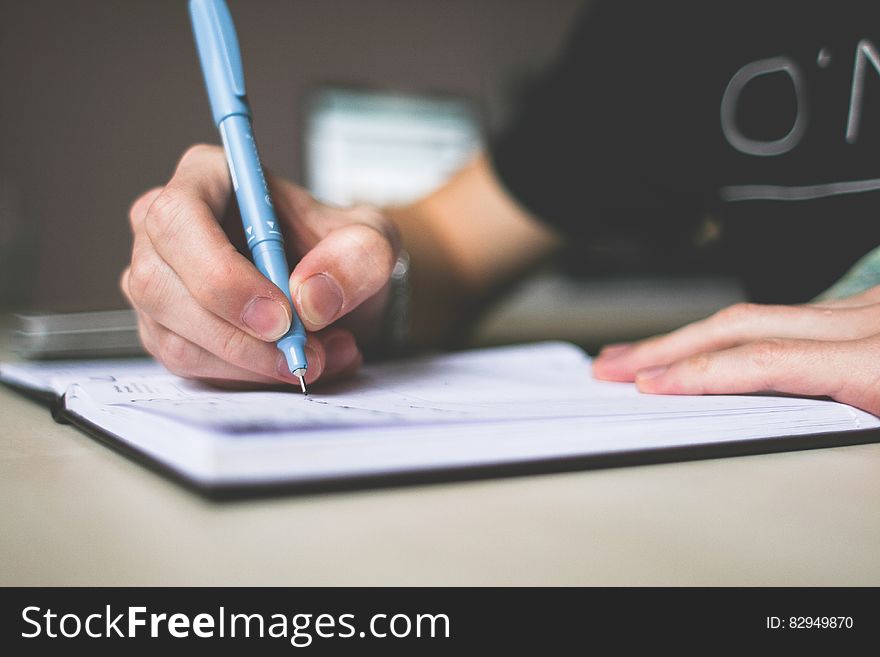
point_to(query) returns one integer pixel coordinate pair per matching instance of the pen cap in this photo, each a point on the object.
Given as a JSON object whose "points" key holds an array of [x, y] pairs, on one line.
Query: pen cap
{"points": [[220, 57]]}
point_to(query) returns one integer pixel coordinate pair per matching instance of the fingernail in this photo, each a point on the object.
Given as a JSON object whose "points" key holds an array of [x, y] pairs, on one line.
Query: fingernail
{"points": [[283, 369], [314, 370], [614, 350], [266, 318], [341, 350], [316, 367], [320, 299], [651, 372]]}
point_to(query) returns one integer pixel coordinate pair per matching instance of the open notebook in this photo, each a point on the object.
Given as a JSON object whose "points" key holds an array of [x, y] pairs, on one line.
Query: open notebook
{"points": [[508, 409]]}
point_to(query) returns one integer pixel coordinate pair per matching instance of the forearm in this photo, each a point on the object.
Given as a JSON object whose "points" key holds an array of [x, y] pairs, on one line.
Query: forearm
{"points": [[466, 241], [440, 300]]}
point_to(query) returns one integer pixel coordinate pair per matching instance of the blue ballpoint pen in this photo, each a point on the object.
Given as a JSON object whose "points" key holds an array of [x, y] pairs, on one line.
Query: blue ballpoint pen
{"points": [[220, 58]]}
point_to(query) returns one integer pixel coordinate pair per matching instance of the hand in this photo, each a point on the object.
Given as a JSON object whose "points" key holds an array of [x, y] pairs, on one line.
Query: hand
{"points": [[206, 312], [824, 349]]}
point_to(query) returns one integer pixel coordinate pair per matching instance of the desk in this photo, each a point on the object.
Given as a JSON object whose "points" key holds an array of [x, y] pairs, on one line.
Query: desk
{"points": [[76, 513]]}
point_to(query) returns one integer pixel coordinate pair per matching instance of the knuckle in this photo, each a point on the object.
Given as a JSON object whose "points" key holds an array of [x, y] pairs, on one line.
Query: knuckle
{"points": [[644, 348], [767, 352], [139, 207], [218, 282], [143, 278], [199, 151], [163, 214], [147, 340], [869, 399], [233, 346], [123, 282], [178, 354], [150, 347], [698, 363], [737, 312], [375, 247], [372, 217]]}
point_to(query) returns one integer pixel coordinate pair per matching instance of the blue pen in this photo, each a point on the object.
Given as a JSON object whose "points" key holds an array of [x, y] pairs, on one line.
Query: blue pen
{"points": [[221, 64]]}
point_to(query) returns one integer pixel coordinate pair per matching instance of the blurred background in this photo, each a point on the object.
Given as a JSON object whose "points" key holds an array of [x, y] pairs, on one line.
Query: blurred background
{"points": [[368, 100]]}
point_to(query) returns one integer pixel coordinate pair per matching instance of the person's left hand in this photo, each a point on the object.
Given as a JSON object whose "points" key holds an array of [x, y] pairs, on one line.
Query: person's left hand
{"points": [[824, 349]]}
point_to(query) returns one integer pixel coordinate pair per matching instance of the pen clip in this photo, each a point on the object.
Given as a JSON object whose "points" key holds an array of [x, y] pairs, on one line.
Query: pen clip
{"points": [[217, 45], [230, 53]]}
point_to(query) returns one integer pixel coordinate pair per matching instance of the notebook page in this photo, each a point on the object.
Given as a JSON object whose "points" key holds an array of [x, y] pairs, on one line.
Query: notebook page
{"points": [[56, 375], [493, 385], [473, 408]]}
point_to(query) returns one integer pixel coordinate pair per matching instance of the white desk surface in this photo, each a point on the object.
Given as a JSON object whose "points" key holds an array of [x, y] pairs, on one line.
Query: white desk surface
{"points": [[74, 512]]}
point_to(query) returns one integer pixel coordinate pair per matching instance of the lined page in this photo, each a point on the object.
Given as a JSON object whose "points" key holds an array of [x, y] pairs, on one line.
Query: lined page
{"points": [[472, 408], [534, 382], [57, 375]]}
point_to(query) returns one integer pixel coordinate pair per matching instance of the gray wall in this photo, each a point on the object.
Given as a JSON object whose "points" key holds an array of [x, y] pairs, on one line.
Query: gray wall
{"points": [[100, 97]]}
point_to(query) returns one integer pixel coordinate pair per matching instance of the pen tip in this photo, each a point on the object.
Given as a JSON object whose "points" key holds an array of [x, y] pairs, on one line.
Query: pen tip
{"points": [[302, 384]]}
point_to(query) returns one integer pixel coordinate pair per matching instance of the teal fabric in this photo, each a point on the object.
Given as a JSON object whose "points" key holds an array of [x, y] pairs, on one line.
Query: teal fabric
{"points": [[863, 275]]}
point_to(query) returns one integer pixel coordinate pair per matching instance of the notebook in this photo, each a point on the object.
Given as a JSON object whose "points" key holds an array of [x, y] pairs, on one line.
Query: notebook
{"points": [[486, 412]]}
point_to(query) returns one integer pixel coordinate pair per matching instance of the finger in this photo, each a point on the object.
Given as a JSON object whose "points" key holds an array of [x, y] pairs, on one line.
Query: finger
{"points": [[203, 172], [182, 227], [614, 348], [341, 353], [736, 325], [138, 210], [166, 301], [347, 267], [190, 360], [187, 359], [332, 352], [306, 221], [123, 285], [844, 371]]}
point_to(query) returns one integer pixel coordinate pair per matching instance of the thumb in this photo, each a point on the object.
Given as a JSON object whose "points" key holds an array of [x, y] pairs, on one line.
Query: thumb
{"points": [[344, 269]]}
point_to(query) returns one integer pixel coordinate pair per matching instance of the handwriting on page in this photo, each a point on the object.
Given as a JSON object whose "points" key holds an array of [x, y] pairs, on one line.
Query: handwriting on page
{"points": [[489, 388], [493, 386]]}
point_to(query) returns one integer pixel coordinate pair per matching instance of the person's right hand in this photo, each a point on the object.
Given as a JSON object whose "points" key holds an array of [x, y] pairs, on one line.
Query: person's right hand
{"points": [[206, 312]]}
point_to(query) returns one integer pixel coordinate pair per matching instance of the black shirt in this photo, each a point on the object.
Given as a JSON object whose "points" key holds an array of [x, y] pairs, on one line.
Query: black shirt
{"points": [[764, 115]]}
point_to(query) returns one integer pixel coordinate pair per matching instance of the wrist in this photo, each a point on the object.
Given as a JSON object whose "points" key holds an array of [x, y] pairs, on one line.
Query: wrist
{"points": [[393, 335]]}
